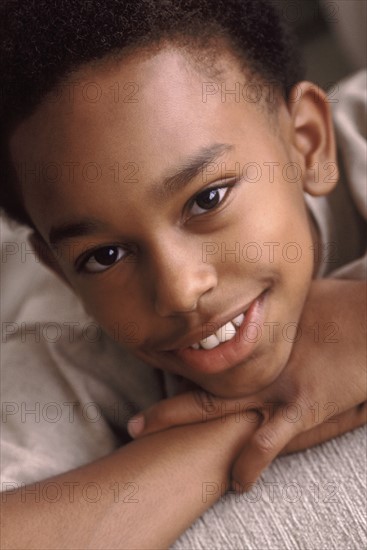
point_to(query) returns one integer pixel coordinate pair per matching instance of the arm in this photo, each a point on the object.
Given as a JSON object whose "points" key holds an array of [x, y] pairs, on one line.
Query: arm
{"points": [[336, 309], [318, 395], [351, 419], [166, 473]]}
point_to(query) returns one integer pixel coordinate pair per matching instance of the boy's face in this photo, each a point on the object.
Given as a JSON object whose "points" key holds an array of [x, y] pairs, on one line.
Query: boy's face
{"points": [[162, 261]]}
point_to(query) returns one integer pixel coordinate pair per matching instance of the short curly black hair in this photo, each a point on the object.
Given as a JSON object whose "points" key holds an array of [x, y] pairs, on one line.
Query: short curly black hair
{"points": [[42, 41]]}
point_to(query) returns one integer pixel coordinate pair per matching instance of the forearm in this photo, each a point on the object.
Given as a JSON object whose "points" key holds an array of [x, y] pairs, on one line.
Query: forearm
{"points": [[335, 426], [167, 472]]}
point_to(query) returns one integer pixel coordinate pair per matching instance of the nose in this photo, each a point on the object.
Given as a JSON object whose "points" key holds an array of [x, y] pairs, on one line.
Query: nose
{"points": [[180, 280]]}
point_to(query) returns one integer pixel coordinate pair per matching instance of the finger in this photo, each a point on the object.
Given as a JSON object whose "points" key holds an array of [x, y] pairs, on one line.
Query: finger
{"points": [[261, 449], [185, 408]]}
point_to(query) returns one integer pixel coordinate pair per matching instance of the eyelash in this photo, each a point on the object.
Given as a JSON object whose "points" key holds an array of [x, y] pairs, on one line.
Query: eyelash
{"points": [[82, 262], [227, 186]]}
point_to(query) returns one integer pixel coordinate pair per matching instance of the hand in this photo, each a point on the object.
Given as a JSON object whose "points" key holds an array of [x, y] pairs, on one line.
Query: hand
{"points": [[324, 378], [337, 425]]}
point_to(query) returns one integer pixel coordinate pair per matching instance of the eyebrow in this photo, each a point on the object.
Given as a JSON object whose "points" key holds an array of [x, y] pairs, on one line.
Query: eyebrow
{"points": [[171, 184], [82, 228], [190, 168]]}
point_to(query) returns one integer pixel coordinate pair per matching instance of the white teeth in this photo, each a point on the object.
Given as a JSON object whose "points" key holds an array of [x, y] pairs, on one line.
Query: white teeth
{"points": [[226, 332], [210, 342], [237, 321]]}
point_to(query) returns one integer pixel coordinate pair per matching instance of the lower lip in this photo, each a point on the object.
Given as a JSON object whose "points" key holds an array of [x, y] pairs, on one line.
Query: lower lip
{"points": [[231, 353]]}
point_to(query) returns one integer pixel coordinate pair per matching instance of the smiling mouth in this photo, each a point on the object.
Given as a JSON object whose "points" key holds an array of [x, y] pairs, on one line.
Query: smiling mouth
{"points": [[215, 333], [225, 333], [230, 345]]}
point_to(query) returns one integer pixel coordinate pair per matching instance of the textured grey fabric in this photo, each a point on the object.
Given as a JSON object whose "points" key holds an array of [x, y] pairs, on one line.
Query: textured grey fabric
{"points": [[313, 500]]}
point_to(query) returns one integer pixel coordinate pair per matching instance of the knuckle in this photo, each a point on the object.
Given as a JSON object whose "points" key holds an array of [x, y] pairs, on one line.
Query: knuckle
{"points": [[290, 390], [304, 397], [204, 402], [264, 442]]}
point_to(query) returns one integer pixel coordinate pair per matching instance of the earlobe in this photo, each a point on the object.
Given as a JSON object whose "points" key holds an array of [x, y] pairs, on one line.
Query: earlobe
{"points": [[313, 137], [46, 257]]}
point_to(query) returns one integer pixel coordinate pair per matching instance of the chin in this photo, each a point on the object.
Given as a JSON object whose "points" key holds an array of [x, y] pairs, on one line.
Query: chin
{"points": [[255, 375]]}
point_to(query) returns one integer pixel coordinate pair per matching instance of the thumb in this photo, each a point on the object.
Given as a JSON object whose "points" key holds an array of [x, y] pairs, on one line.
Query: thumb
{"points": [[261, 449], [186, 408]]}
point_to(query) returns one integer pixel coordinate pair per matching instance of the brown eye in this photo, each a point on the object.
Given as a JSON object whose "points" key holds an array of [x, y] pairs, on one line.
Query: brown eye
{"points": [[103, 258], [208, 199]]}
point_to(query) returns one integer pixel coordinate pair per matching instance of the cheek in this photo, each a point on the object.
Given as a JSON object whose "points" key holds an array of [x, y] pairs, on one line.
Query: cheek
{"points": [[268, 233], [114, 309]]}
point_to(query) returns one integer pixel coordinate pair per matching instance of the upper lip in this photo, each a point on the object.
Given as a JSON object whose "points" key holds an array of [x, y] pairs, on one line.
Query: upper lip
{"points": [[200, 333]]}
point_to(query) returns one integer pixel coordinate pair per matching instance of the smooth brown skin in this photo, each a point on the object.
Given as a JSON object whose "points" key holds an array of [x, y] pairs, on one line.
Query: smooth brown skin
{"points": [[166, 278]]}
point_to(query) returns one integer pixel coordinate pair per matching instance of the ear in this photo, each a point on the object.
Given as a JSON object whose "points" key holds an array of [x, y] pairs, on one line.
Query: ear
{"points": [[313, 138], [45, 255]]}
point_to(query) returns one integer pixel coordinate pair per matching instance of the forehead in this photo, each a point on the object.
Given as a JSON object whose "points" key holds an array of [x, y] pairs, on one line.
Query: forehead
{"points": [[132, 95], [145, 112]]}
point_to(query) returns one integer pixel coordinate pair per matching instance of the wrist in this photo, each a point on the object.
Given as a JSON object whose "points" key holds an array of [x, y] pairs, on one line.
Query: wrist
{"points": [[232, 433]]}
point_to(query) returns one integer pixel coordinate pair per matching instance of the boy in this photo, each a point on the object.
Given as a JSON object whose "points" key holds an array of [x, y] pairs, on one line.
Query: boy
{"points": [[143, 249]]}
